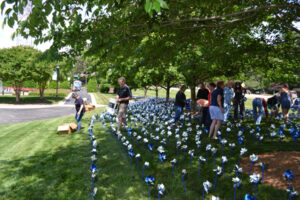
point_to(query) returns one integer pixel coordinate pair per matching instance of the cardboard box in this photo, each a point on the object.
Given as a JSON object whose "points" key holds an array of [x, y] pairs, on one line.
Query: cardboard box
{"points": [[89, 107], [67, 128]]}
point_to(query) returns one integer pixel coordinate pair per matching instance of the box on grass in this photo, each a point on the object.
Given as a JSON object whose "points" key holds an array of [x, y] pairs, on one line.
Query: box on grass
{"points": [[67, 128]]}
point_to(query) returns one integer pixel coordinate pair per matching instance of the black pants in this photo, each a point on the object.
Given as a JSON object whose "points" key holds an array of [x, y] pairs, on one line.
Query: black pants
{"points": [[237, 105], [206, 120]]}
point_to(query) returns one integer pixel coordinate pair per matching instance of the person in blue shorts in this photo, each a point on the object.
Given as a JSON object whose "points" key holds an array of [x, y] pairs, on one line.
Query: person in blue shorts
{"points": [[286, 100]]}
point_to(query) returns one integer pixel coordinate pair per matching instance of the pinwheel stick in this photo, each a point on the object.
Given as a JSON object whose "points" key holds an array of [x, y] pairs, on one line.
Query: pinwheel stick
{"points": [[216, 177], [137, 165], [230, 151], [256, 190], [223, 169], [199, 168], [203, 193], [183, 183], [214, 160], [191, 161], [251, 167], [143, 174], [149, 192], [234, 193], [173, 170]]}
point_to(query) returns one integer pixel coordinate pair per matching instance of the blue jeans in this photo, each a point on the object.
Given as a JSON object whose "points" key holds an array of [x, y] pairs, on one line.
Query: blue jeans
{"points": [[178, 111], [227, 108], [78, 119], [257, 110]]}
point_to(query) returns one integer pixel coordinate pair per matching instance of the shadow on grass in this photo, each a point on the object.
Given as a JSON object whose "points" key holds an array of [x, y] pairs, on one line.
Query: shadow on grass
{"points": [[29, 100]]}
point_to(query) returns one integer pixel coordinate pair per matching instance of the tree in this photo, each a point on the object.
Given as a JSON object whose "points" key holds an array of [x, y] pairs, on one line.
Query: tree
{"points": [[41, 73], [16, 66]]}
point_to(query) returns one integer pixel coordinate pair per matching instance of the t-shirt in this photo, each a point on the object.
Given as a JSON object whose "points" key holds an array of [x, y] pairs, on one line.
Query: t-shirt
{"points": [[124, 92], [273, 100], [202, 94], [180, 99], [228, 94], [214, 97], [78, 103]]}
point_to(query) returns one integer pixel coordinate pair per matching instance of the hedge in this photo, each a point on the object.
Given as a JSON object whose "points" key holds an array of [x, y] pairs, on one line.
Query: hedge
{"points": [[104, 88], [48, 94], [62, 85], [92, 85]]}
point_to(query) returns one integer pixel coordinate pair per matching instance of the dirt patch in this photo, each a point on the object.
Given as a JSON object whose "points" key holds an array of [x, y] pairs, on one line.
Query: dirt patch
{"points": [[277, 163]]}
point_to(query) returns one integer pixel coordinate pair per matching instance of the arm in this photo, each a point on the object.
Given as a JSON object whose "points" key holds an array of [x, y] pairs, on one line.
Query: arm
{"points": [[219, 99], [81, 107], [291, 95]]}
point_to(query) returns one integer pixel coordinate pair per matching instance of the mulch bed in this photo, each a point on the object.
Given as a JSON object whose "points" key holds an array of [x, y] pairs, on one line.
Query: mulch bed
{"points": [[276, 163]]}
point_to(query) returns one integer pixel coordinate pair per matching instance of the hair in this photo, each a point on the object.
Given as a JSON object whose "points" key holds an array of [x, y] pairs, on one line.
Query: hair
{"points": [[220, 83], [74, 95], [182, 87], [285, 86], [122, 79], [212, 84]]}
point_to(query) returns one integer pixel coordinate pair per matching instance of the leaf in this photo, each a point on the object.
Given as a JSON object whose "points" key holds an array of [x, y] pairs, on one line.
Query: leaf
{"points": [[2, 6], [11, 22], [148, 6], [156, 6], [8, 11], [163, 4]]}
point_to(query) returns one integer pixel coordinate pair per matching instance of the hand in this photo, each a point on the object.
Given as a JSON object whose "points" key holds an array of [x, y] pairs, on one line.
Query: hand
{"points": [[222, 110], [119, 100], [78, 113]]}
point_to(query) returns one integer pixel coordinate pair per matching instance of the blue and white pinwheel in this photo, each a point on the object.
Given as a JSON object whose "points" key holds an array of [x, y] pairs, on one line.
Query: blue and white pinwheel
{"points": [[255, 178], [253, 159], [161, 190], [236, 183], [206, 186]]}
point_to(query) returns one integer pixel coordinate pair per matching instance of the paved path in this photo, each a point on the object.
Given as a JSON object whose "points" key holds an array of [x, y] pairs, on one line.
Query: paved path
{"points": [[23, 113]]}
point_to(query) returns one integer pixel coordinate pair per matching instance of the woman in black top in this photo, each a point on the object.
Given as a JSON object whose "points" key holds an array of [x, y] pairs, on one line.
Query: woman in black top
{"points": [[80, 109], [180, 102], [238, 101]]}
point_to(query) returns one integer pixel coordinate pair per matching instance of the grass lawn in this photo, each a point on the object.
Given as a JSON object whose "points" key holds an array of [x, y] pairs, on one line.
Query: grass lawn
{"points": [[34, 98], [36, 163]]}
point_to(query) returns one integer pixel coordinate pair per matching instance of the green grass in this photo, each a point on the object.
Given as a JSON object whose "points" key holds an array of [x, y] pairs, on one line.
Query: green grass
{"points": [[34, 97], [103, 99]]}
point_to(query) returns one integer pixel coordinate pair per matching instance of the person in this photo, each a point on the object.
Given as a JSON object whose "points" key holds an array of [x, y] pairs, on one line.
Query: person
{"points": [[286, 100], [123, 97], [228, 96], [180, 102], [238, 101], [206, 120], [216, 109], [80, 109], [273, 105], [202, 97], [258, 104]]}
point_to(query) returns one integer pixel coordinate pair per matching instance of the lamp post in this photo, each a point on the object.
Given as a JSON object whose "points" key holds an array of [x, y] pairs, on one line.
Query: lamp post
{"points": [[57, 70]]}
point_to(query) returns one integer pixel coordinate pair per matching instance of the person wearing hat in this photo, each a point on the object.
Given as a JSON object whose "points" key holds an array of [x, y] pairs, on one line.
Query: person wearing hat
{"points": [[180, 102], [238, 101], [80, 109]]}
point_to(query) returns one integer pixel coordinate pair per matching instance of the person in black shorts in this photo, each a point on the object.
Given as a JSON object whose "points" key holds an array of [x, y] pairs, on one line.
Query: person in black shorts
{"points": [[273, 105], [123, 97], [80, 109]]}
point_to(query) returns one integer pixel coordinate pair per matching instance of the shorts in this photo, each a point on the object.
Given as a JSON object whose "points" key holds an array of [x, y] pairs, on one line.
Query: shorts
{"points": [[285, 104], [122, 110], [216, 113], [274, 107]]}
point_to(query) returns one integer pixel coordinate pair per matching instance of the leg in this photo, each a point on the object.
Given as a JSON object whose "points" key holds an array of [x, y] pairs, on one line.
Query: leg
{"points": [[226, 109], [121, 114], [217, 126], [242, 109], [260, 110], [254, 106], [79, 121], [212, 127], [235, 105]]}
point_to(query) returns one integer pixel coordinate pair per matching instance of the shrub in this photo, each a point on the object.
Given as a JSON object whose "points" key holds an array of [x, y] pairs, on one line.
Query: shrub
{"points": [[92, 85], [48, 94], [64, 85], [51, 85], [104, 88]]}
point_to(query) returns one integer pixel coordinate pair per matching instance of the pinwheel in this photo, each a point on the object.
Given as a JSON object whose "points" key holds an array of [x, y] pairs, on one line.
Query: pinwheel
{"points": [[162, 157], [237, 182], [150, 182], [289, 176], [224, 160], [184, 147], [161, 190], [198, 143], [206, 187], [183, 177], [150, 147], [146, 165], [249, 197], [255, 178], [138, 138], [231, 145], [201, 160], [272, 134], [253, 159], [214, 151], [208, 148], [238, 170], [214, 198], [218, 171], [169, 135], [292, 193], [137, 157], [191, 153], [262, 165], [145, 142], [223, 142], [173, 162], [242, 152]]}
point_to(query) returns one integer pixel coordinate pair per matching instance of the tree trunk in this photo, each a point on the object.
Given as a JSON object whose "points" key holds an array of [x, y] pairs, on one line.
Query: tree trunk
{"points": [[168, 92], [145, 91], [156, 91], [42, 89], [193, 97], [18, 93]]}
